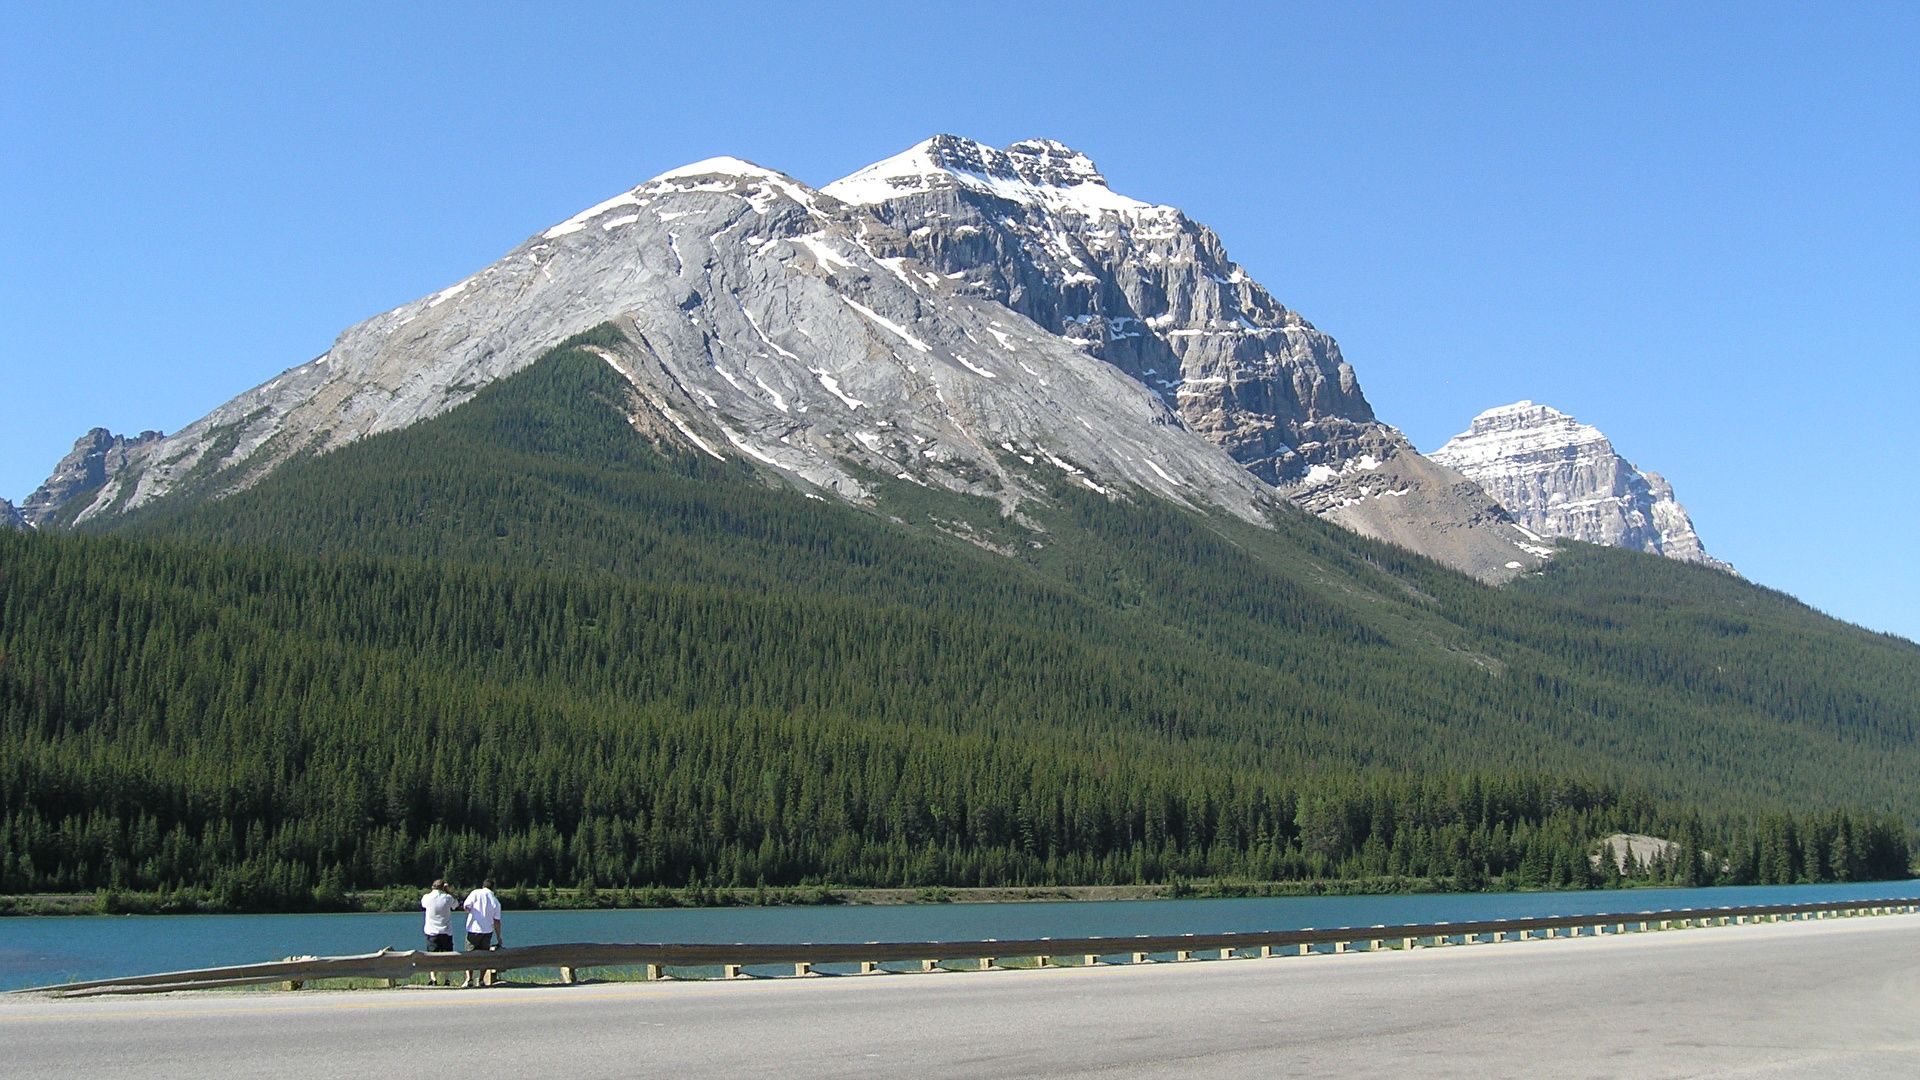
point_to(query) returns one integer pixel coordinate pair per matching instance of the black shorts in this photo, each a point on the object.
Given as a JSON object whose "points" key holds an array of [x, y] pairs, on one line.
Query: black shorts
{"points": [[439, 942], [478, 942]]}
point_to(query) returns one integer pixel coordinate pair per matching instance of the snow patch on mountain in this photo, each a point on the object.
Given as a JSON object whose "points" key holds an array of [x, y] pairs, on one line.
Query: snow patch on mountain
{"points": [[1033, 172]]}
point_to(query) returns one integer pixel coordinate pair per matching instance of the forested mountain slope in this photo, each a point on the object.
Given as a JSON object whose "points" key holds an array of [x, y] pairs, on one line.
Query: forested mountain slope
{"points": [[520, 635]]}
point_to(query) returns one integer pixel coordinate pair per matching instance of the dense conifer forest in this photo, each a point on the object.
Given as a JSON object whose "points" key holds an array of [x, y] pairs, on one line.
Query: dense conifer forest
{"points": [[522, 639]]}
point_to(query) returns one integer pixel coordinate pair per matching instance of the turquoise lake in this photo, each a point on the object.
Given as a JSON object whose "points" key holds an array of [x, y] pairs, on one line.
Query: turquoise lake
{"points": [[38, 951]]}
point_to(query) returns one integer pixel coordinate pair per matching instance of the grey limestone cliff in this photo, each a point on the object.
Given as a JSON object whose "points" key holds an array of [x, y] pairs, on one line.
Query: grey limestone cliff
{"points": [[1559, 477], [1036, 227]]}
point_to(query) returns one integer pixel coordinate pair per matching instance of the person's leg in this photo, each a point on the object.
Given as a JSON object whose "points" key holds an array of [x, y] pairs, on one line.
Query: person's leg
{"points": [[437, 943], [475, 943]]}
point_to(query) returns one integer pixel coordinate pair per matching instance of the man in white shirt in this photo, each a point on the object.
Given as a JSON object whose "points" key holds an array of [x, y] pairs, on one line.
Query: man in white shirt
{"points": [[484, 932], [439, 905]]}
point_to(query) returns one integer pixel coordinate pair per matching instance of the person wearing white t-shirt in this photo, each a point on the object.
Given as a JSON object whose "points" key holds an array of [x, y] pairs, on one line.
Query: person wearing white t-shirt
{"points": [[484, 932], [439, 905]]}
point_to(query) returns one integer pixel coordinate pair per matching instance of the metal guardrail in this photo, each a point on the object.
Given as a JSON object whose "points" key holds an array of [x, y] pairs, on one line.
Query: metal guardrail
{"points": [[805, 957]]}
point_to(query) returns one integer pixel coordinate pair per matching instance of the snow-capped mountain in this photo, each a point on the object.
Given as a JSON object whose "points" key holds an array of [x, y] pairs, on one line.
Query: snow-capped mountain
{"points": [[955, 316], [1559, 477], [1036, 228]]}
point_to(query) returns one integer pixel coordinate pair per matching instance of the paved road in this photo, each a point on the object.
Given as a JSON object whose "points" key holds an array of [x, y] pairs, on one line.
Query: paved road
{"points": [[1802, 1000]]}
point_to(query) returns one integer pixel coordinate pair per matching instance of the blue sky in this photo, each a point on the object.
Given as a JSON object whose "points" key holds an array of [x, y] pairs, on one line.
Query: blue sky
{"points": [[1697, 229]]}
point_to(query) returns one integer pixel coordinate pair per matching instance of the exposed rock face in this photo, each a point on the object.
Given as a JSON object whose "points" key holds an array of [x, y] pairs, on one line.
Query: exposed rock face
{"points": [[957, 316], [10, 518], [1559, 477], [1036, 228], [96, 457]]}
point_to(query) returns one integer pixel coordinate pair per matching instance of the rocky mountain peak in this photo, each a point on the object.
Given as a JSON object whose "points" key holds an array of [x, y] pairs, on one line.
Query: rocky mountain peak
{"points": [[759, 185], [1036, 228], [96, 457], [1033, 172], [10, 516], [1560, 477], [1043, 162]]}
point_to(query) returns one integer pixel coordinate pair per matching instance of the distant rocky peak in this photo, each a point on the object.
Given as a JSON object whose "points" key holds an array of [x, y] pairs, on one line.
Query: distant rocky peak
{"points": [[1506, 432], [95, 458], [1031, 172], [1560, 477], [10, 518]]}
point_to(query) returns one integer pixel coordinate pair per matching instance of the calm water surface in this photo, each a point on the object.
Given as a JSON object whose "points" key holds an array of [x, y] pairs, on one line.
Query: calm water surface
{"points": [[37, 951]]}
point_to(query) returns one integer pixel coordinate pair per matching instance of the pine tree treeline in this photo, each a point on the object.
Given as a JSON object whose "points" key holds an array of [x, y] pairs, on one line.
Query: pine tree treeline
{"points": [[520, 639], [273, 728]]}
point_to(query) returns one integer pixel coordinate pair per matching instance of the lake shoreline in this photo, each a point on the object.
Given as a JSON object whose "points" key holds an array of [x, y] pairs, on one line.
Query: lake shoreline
{"points": [[48, 951], [405, 898]]}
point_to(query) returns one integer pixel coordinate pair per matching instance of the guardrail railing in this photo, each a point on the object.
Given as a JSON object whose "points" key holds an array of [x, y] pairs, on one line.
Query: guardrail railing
{"points": [[806, 957]]}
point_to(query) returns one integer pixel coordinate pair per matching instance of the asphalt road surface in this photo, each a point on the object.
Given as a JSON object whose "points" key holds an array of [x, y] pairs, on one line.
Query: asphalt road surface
{"points": [[1825, 999]]}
